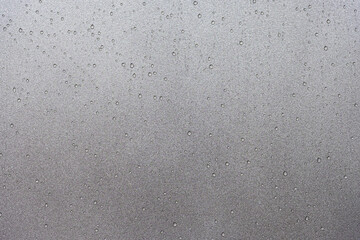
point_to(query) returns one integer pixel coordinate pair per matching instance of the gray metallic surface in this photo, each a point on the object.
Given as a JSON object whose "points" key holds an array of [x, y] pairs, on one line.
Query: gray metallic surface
{"points": [[210, 119]]}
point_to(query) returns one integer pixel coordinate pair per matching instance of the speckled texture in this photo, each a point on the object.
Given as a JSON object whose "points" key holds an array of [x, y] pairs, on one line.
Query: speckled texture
{"points": [[142, 120]]}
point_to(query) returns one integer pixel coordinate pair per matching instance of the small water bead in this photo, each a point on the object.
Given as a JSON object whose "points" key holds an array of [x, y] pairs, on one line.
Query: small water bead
{"points": [[328, 21], [92, 26], [173, 53], [328, 157], [195, 3], [20, 30], [95, 202], [227, 163], [11, 125], [213, 174], [223, 234], [189, 133], [222, 105], [211, 66], [199, 15], [212, 22], [174, 224], [19, 99], [132, 65], [325, 48], [241, 43], [149, 74], [285, 173], [306, 218], [139, 96], [318, 160]]}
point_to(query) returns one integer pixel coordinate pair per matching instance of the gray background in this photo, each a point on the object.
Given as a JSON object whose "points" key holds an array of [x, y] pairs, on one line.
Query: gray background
{"points": [[179, 119]]}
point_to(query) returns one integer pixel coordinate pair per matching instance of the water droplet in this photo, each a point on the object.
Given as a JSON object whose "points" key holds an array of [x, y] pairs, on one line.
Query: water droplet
{"points": [[318, 160], [174, 224], [328, 21], [199, 15], [223, 234], [325, 48], [306, 218], [132, 65], [195, 3], [189, 133], [213, 174], [92, 26], [20, 30], [227, 163], [211, 66], [139, 96], [212, 22], [241, 43], [285, 173]]}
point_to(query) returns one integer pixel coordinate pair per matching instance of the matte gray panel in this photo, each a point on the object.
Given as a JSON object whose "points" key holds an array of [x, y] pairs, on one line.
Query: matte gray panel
{"points": [[173, 119]]}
